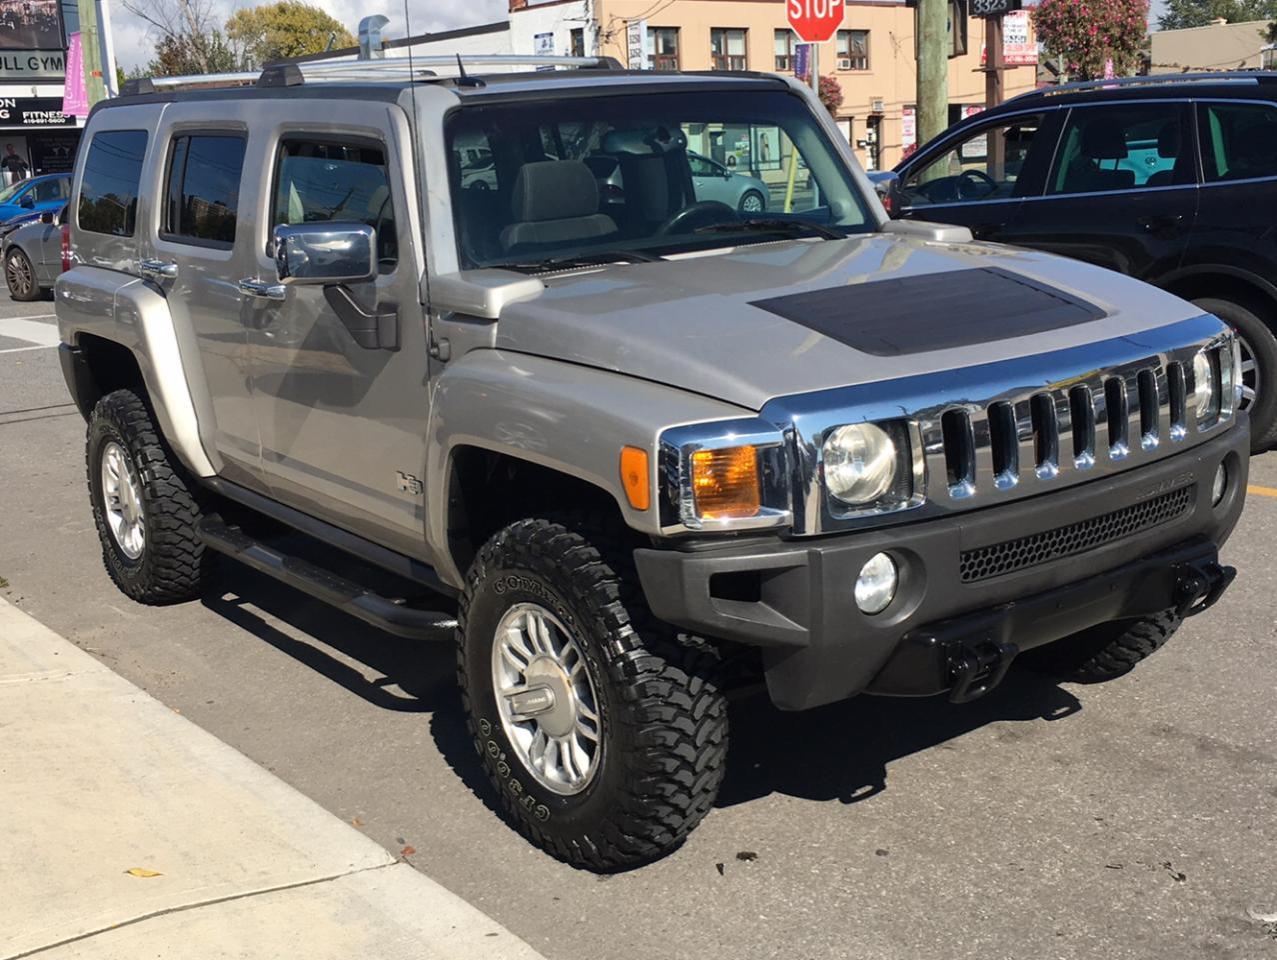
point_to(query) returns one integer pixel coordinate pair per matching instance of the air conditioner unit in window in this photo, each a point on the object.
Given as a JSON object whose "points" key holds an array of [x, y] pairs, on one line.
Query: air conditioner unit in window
{"points": [[844, 63], [877, 105]]}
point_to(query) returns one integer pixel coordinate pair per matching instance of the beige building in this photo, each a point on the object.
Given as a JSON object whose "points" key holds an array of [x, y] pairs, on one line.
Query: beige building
{"points": [[1218, 46], [872, 56]]}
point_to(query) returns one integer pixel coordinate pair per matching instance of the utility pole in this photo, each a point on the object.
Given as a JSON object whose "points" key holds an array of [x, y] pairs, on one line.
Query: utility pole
{"points": [[994, 62], [933, 68]]}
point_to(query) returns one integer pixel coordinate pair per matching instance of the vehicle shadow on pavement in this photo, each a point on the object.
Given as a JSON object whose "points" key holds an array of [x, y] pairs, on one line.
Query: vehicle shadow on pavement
{"points": [[414, 676], [842, 751], [839, 752]]}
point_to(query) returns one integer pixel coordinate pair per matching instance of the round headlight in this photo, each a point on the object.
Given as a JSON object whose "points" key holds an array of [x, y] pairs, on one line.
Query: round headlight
{"points": [[1205, 390], [876, 585], [860, 463]]}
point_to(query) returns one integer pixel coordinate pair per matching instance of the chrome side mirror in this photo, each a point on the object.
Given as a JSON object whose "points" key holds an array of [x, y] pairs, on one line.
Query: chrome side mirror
{"points": [[328, 253], [886, 184]]}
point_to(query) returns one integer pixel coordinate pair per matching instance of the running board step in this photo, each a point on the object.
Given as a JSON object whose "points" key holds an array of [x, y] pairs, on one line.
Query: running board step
{"points": [[324, 585]]}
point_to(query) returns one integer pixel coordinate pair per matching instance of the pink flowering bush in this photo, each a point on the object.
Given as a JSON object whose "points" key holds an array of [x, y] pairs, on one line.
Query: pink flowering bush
{"points": [[830, 93], [1090, 33]]}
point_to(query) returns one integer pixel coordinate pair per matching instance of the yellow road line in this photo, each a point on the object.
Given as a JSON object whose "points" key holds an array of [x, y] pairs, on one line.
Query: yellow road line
{"points": [[1262, 491]]}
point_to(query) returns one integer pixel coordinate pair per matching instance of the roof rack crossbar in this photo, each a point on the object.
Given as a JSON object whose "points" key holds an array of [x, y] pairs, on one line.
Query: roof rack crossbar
{"points": [[387, 68], [1152, 80]]}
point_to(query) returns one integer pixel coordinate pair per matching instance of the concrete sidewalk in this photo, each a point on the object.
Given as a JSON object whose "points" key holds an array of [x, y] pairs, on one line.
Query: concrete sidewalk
{"points": [[128, 831]]}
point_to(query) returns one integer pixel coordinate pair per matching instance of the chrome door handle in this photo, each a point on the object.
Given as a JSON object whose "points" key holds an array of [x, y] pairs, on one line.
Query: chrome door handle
{"points": [[157, 269], [262, 290]]}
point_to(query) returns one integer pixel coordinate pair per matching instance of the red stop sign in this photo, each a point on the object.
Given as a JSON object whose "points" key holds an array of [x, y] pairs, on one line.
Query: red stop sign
{"points": [[815, 21]]}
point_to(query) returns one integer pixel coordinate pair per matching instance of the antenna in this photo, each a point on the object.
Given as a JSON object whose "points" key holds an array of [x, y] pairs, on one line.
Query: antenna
{"points": [[465, 80]]}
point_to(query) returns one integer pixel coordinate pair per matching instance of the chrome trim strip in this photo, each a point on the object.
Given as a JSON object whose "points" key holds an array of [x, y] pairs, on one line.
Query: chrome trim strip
{"points": [[924, 399]]}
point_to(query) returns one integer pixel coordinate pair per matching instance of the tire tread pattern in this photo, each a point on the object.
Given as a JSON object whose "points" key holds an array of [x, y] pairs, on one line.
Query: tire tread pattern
{"points": [[673, 714]]}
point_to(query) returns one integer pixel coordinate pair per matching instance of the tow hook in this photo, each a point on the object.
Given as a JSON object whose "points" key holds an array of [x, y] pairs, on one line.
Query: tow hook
{"points": [[976, 668], [1200, 585]]}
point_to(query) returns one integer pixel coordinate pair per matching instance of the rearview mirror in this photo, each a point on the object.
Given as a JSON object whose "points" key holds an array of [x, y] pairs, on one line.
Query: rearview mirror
{"points": [[329, 253], [27, 201]]}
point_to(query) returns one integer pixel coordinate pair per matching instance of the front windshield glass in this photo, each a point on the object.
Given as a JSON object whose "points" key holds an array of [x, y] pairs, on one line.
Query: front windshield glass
{"points": [[641, 176]]}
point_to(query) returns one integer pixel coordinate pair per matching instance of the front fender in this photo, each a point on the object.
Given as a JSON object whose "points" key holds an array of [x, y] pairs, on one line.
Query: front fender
{"points": [[563, 416], [91, 301]]}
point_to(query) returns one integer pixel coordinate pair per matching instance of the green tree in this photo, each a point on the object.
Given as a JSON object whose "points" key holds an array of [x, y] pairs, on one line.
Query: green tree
{"points": [[1089, 34], [1198, 13], [288, 28]]}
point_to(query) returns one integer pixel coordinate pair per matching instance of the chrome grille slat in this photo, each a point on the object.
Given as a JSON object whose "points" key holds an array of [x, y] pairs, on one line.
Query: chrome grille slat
{"points": [[1039, 435]]}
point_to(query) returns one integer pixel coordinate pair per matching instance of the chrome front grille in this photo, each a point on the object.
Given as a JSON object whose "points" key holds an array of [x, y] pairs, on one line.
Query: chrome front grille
{"points": [[1072, 426]]}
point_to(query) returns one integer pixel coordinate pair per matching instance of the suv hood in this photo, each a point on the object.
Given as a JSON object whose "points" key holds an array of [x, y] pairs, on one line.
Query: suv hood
{"points": [[776, 319]]}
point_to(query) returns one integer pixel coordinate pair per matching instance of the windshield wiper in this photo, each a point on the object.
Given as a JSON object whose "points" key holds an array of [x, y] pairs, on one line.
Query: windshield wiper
{"points": [[794, 228], [585, 260]]}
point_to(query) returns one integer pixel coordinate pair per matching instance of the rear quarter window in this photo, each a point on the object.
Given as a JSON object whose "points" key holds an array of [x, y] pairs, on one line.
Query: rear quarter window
{"points": [[112, 176]]}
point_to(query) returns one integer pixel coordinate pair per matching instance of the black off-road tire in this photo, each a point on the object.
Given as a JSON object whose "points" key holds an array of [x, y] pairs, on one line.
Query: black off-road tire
{"points": [[1260, 339], [172, 560], [1107, 651], [663, 746]]}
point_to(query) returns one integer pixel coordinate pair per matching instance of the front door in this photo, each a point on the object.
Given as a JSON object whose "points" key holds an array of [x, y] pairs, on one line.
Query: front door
{"points": [[1122, 192], [342, 424]]}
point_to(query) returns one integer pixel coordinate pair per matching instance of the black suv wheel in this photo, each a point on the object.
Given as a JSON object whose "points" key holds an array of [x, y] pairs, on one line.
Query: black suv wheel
{"points": [[603, 732], [1259, 367]]}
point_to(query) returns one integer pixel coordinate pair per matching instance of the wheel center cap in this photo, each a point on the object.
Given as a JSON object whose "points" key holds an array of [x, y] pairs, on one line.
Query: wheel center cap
{"points": [[547, 697]]}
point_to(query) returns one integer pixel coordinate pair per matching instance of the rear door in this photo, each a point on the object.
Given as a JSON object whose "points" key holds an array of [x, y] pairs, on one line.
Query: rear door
{"points": [[980, 176], [1122, 192], [189, 251], [343, 425]]}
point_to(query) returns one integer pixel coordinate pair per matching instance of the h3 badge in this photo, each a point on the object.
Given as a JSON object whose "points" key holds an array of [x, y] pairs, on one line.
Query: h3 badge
{"points": [[408, 483]]}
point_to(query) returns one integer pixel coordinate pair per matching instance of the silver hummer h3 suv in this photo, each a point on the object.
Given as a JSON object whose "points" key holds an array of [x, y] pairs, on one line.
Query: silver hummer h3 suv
{"points": [[631, 448]]}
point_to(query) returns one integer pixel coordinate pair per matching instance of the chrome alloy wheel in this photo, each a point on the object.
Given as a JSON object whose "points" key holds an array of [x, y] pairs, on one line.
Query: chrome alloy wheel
{"points": [[122, 501], [18, 273], [546, 699], [1250, 374]]}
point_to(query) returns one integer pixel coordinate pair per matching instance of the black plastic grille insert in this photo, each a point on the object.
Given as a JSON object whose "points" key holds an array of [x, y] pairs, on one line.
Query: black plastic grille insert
{"points": [[984, 563]]}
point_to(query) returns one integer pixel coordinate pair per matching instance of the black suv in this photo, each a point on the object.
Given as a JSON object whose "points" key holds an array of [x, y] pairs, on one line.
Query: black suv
{"points": [[1169, 179]]}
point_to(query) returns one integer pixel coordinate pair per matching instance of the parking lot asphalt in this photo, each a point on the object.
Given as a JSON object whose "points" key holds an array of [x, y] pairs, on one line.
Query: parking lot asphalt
{"points": [[1131, 819]]}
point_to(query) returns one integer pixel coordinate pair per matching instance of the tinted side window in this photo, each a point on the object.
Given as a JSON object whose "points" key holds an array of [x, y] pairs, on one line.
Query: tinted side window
{"points": [[50, 190], [1123, 148], [112, 174], [991, 163], [1239, 141], [318, 180], [202, 195]]}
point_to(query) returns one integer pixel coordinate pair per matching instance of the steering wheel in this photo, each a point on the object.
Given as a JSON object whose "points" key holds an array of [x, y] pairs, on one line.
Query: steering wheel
{"points": [[970, 180], [703, 213]]}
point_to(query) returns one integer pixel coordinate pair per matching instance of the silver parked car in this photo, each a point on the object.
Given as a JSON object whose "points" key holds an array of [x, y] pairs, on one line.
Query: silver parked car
{"points": [[628, 454], [714, 181], [33, 255]]}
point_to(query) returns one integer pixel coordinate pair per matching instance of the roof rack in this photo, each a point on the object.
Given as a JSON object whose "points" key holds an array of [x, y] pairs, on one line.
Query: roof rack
{"points": [[385, 69], [1153, 80]]}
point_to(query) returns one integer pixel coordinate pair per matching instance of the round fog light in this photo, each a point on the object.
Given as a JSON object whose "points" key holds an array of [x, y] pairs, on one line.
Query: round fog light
{"points": [[876, 585], [1219, 486]]}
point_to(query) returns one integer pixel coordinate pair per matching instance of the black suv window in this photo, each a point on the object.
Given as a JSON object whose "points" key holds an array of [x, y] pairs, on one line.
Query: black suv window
{"points": [[1239, 141], [992, 162], [1127, 147], [109, 186], [317, 180], [203, 189]]}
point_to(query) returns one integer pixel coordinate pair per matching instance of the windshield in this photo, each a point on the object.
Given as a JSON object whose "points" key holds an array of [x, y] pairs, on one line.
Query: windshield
{"points": [[642, 176], [9, 192]]}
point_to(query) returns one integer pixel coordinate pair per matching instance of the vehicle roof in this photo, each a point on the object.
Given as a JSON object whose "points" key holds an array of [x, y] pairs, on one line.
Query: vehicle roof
{"points": [[1237, 85], [473, 87]]}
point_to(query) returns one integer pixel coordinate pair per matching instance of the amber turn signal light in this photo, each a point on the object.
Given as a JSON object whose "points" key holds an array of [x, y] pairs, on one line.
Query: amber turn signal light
{"points": [[634, 477], [725, 483]]}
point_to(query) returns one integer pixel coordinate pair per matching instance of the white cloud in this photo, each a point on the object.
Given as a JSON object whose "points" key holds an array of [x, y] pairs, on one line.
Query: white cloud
{"points": [[135, 44]]}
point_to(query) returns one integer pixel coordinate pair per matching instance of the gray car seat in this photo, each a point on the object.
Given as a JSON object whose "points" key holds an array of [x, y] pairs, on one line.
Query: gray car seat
{"points": [[554, 202]]}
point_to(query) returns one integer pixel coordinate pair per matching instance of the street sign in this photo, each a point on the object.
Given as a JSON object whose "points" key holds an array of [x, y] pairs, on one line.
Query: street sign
{"points": [[815, 21], [992, 8], [636, 44]]}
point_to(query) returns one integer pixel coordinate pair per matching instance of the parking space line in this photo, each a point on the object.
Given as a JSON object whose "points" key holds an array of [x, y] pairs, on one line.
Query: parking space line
{"points": [[1262, 491]]}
